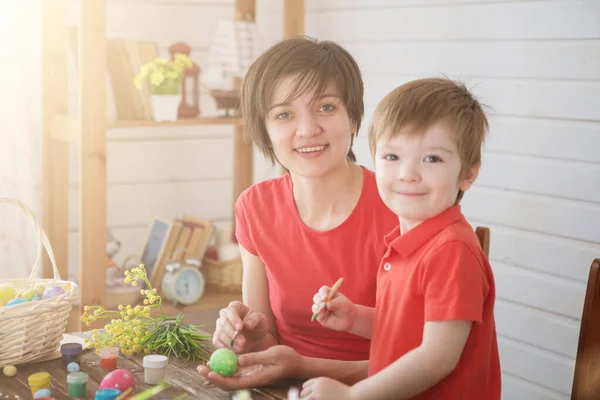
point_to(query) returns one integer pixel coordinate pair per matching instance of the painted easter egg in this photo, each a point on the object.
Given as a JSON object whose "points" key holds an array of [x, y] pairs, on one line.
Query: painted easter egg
{"points": [[73, 367], [10, 371], [42, 393], [6, 293], [224, 362], [16, 301], [28, 295], [52, 291], [120, 379]]}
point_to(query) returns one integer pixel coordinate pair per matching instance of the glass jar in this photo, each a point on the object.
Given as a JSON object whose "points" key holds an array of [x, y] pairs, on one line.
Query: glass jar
{"points": [[155, 367], [77, 382], [71, 352], [39, 380], [108, 358], [107, 394]]}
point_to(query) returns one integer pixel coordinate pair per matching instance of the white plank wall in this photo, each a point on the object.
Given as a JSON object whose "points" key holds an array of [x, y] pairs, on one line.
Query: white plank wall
{"points": [[536, 64]]}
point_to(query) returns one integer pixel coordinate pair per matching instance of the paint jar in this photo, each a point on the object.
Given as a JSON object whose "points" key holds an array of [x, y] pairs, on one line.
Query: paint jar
{"points": [[107, 394], [155, 367], [77, 382], [71, 352], [39, 380], [108, 358]]}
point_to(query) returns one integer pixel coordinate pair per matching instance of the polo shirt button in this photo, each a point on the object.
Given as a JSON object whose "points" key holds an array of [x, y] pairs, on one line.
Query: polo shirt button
{"points": [[387, 266]]}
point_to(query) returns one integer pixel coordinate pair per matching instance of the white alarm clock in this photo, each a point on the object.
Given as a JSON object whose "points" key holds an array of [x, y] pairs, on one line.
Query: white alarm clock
{"points": [[183, 283]]}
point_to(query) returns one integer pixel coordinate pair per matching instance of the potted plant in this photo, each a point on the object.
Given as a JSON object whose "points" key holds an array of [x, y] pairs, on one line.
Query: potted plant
{"points": [[163, 78]]}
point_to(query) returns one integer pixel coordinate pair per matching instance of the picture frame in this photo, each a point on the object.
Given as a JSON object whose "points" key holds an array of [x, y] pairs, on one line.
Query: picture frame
{"points": [[158, 234]]}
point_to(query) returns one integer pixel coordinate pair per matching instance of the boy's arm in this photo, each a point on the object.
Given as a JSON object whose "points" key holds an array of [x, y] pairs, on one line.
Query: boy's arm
{"points": [[420, 368], [363, 324], [348, 372]]}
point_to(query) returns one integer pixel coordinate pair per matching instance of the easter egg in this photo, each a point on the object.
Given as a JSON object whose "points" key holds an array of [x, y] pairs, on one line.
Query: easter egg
{"points": [[42, 393], [52, 291], [37, 297], [39, 289], [6, 293], [10, 371], [73, 367], [120, 379], [28, 295], [16, 301], [224, 362]]}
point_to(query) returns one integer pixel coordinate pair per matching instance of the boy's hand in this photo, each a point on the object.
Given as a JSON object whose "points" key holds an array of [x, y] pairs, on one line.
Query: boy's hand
{"points": [[325, 388], [251, 332], [339, 314], [257, 369]]}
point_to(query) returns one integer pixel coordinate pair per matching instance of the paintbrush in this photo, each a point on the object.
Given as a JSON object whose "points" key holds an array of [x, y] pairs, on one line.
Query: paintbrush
{"points": [[236, 331], [330, 295]]}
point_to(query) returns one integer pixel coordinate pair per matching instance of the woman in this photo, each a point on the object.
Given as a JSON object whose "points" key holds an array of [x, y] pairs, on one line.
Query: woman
{"points": [[302, 102]]}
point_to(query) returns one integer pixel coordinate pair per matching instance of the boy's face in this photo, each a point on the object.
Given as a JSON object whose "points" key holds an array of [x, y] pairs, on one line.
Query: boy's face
{"points": [[418, 177], [310, 137]]}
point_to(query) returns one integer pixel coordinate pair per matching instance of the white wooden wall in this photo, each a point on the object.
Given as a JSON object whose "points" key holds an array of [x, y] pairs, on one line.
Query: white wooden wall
{"points": [[537, 65]]}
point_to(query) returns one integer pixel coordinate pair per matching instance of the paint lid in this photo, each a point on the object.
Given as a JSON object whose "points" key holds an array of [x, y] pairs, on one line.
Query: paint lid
{"points": [[155, 361], [71, 348], [107, 394], [77, 377], [39, 379]]}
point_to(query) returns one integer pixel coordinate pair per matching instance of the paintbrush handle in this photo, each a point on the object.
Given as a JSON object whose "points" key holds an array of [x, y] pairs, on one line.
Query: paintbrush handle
{"points": [[334, 289]]}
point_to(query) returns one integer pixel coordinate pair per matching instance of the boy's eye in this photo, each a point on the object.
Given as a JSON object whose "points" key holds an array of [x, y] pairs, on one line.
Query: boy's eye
{"points": [[326, 108], [432, 159], [391, 157], [283, 115]]}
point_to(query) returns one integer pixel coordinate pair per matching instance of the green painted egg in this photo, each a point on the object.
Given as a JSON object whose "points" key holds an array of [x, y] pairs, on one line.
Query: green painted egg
{"points": [[224, 362]]}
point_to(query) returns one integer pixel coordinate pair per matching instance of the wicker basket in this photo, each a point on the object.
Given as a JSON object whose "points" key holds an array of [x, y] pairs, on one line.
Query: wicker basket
{"points": [[223, 276], [31, 330]]}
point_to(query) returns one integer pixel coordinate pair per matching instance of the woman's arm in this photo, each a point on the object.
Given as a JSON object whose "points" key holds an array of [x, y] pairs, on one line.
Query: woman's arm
{"points": [[255, 295]]}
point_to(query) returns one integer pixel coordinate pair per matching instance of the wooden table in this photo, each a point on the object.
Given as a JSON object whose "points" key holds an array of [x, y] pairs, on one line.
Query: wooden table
{"points": [[184, 379]]}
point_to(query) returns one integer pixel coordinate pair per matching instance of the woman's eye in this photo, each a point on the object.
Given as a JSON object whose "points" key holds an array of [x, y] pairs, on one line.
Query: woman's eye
{"points": [[283, 115], [432, 159], [327, 108], [391, 157]]}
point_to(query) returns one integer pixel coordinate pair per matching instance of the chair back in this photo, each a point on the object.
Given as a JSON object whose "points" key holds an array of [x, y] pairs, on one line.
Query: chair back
{"points": [[483, 234], [586, 380]]}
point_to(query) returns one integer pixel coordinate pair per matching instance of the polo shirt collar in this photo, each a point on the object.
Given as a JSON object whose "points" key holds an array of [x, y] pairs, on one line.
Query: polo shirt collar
{"points": [[408, 243]]}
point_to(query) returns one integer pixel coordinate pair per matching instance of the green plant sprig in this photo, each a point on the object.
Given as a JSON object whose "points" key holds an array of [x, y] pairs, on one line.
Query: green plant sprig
{"points": [[136, 330]]}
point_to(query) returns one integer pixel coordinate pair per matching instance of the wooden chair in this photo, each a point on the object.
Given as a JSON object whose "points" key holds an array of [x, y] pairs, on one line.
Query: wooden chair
{"points": [[483, 234], [586, 380]]}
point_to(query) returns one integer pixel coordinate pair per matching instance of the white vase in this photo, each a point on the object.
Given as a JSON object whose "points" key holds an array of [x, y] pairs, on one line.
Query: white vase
{"points": [[165, 106]]}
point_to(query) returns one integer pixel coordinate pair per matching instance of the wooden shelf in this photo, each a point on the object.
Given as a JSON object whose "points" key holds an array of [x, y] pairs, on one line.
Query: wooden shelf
{"points": [[181, 122], [65, 129]]}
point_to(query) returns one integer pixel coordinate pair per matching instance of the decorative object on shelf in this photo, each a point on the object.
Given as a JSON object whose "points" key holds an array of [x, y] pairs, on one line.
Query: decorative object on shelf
{"points": [[232, 50], [33, 311], [192, 72], [136, 330], [183, 283], [164, 78]]}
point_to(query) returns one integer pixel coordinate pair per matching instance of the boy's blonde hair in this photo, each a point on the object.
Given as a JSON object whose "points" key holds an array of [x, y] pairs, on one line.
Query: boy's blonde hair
{"points": [[316, 65], [422, 103]]}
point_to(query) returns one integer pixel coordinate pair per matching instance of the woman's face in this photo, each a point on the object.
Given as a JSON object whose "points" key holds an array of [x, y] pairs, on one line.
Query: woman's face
{"points": [[310, 136]]}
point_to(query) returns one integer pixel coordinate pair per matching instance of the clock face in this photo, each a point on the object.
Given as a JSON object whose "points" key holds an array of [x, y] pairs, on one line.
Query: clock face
{"points": [[189, 286]]}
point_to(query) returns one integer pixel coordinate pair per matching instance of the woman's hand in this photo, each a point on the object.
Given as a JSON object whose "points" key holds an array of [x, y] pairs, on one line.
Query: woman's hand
{"points": [[325, 388], [257, 369], [251, 332], [339, 314]]}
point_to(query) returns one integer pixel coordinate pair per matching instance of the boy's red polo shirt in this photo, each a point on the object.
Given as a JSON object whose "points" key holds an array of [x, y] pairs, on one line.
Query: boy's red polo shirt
{"points": [[438, 272]]}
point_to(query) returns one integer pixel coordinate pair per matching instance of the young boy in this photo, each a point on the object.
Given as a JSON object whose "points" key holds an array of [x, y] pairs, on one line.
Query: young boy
{"points": [[432, 330]]}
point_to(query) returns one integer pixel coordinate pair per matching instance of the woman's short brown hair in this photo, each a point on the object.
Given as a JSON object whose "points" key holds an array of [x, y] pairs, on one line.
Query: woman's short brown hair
{"points": [[422, 103], [316, 65]]}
